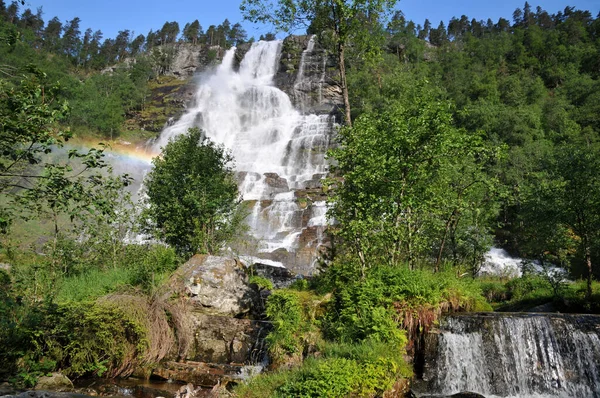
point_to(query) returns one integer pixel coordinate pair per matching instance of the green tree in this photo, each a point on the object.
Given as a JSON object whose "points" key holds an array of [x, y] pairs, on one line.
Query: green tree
{"points": [[565, 197], [192, 194], [410, 181], [192, 32], [34, 176], [348, 21], [52, 34]]}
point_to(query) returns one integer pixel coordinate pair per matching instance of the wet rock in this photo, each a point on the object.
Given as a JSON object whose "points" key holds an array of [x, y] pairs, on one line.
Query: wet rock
{"points": [[46, 394], [186, 391], [465, 394], [318, 91], [276, 183], [200, 374], [280, 276]]}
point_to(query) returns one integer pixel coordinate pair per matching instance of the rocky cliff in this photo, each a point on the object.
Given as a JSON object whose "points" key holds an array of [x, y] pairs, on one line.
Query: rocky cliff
{"points": [[308, 74]]}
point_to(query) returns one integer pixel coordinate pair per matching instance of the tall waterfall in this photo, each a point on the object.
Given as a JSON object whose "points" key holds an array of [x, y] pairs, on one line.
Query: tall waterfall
{"points": [[278, 150], [517, 355]]}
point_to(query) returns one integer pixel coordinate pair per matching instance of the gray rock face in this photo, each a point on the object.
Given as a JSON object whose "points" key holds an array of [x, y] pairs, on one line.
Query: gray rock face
{"points": [[221, 342], [190, 59], [182, 60], [215, 285], [226, 340], [313, 86]]}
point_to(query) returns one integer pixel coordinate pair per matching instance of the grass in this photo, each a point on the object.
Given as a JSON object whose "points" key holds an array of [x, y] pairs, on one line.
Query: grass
{"points": [[93, 284], [526, 292]]}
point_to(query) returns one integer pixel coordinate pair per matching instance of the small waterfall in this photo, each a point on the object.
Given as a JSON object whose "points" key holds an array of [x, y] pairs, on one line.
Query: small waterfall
{"points": [[499, 262], [278, 150], [516, 355], [302, 87]]}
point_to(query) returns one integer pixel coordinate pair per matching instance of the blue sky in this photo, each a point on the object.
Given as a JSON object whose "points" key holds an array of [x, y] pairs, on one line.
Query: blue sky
{"points": [[110, 16]]}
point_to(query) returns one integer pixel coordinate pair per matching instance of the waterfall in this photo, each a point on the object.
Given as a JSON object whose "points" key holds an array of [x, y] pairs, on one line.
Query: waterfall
{"points": [[516, 355], [278, 150]]}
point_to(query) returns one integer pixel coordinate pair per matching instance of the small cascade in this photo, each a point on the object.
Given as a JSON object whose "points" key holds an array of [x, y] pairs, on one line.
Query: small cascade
{"points": [[515, 355], [278, 150], [498, 262], [302, 86]]}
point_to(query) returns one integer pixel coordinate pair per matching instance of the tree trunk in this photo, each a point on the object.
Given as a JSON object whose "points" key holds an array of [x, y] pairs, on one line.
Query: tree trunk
{"points": [[343, 83], [588, 262], [439, 257]]}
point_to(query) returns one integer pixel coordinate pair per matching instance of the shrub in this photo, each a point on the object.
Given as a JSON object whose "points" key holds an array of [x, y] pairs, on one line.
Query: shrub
{"points": [[261, 282], [376, 306], [365, 370], [295, 325]]}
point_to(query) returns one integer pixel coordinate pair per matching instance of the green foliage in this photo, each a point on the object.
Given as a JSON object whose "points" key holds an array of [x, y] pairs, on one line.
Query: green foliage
{"points": [[412, 182], [93, 284], [388, 298], [261, 282], [295, 323], [336, 377], [364, 369], [83, 338], [150, 265], [192, 195], [531, 290]]}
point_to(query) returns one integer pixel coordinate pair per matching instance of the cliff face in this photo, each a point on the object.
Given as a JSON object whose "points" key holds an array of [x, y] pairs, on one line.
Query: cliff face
{"points": [[307, 74]]}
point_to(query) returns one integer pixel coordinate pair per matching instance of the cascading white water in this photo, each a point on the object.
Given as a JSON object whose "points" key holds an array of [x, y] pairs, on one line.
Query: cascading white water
{"points": [[518, 355], [498, 262], [276, 148]]}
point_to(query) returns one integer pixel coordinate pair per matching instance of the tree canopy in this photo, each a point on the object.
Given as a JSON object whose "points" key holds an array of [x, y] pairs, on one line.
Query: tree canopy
{"points": [[192, 194]]}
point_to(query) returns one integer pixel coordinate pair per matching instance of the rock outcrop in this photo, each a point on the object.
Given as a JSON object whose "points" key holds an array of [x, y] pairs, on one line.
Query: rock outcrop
{"points": [[220, 341], [215, 285], [308, 74]]}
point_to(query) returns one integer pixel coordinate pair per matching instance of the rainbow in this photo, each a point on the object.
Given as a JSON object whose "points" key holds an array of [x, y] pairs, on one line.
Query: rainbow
{"points": [[132, 154], [120, 150]]}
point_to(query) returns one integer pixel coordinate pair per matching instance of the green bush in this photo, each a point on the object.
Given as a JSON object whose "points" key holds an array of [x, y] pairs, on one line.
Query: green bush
{"points": [[373, 307], [87, 338], [261, 282], [92, 284], [365, 370], [151, 265], [334, 377], [294, 323], [529, 287]]}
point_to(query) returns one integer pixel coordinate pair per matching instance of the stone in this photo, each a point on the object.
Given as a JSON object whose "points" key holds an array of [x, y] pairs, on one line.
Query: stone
{"points": [[46, 394], [215, 285], [199, 374], [318, 92], [281, 277], [276, 183], [219, 339], [55, 382]]}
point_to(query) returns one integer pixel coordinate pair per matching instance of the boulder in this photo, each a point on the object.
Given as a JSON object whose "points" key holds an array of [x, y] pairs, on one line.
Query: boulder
{"points": [[199, 373], [55, 382], [215, 285], [280, 276]]}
